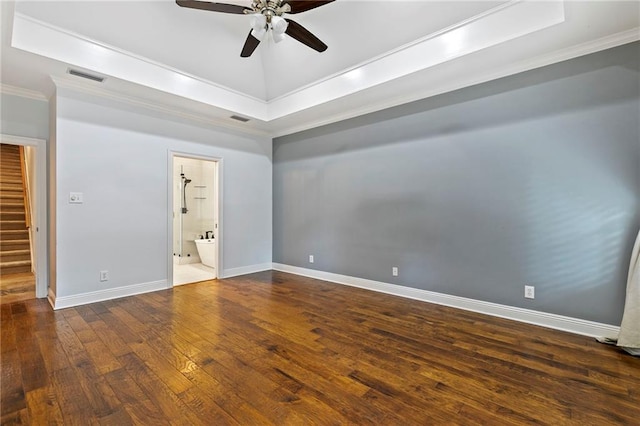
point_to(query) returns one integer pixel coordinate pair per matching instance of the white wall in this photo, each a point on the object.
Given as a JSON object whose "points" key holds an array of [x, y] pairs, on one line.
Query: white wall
{"points": [[118, 158], [24, 117]]}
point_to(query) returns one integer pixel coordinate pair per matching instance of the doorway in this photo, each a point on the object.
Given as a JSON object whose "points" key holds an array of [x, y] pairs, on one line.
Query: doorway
{"points": [[23, 235], [195, 241]]}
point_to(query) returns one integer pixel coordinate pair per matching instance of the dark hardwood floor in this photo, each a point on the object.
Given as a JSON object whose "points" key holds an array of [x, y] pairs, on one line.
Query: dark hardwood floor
{"points": [[274, 348]]}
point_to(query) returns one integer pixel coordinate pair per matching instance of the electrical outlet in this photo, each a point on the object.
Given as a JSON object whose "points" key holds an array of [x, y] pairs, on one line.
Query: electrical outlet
{"points": [[394, 271], [529, 292], [104, 275], [310, 258]]}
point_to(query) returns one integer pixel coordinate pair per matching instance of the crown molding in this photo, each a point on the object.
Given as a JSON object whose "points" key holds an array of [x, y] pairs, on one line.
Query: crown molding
{"points": [[560, 55], [41, 38], [100, 92], [6, 89], [503, 23]]}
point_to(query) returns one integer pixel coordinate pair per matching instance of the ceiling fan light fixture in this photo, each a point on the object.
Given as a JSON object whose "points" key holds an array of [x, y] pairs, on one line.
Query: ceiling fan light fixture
{"points": [[258, 22], [279, 25], [267, 15], [277, 37]]}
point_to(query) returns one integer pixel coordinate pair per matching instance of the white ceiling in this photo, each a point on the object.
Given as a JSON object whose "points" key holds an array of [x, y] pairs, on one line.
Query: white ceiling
{"points": [[381, 53]]}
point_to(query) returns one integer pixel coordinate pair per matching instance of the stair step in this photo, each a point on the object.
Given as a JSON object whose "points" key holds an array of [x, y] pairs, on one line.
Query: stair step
{"points": [[16, 267], [11, 197], [10, 170], [11, 215], [13, 234], [10, 166], [11, 186], [17, 244], [10, 150], [14, 177], [12, 207], [13, 224], [15, 255], [15, 263]]}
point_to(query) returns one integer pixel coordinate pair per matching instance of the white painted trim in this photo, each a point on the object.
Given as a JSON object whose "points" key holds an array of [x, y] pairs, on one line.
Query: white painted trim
{"points": [[107, 294], [503, 23], [23, 93], [105, 93], [51, 297], [557, 322], [42, 246], [217, 209], [561, 55], [497, 25], [42, 38], [243, 270]]}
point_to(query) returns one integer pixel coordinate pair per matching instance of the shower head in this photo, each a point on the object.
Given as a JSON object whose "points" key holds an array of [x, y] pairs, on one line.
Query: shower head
{"points": [[186, 181]]}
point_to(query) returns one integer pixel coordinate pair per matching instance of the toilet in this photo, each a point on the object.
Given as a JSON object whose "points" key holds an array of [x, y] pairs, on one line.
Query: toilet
{"points": [[207, 251]]}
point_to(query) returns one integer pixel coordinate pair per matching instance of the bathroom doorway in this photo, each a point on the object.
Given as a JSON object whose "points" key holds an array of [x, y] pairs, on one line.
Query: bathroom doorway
{"points": [[194, 217]]}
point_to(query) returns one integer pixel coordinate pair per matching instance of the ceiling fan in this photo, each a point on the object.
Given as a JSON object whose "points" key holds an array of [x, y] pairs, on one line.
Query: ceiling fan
{"points": [[267, 15]]}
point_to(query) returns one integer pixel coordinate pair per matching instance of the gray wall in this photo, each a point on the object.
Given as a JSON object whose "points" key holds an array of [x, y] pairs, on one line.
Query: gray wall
{"points": [[531, 179], [118, 157], [24, 117]]}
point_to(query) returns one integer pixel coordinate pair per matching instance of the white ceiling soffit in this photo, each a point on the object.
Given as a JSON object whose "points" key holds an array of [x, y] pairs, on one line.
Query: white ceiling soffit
{"points": [[490, 28]]}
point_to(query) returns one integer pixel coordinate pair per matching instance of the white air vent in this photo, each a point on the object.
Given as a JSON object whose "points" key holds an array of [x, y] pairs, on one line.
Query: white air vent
{"points": [[237, 117], [85, 75]]}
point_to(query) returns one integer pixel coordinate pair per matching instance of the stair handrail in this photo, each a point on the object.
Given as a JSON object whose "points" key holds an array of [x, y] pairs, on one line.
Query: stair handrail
{"points": [[25, 188]]}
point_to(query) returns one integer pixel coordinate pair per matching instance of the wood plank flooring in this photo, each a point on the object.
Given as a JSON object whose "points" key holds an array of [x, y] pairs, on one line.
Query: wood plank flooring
{"points": [[17, 287], [274, 348]]}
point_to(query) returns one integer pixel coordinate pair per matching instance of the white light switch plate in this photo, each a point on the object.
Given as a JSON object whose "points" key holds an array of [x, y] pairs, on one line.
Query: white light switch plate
{"points": [[75, 198]]}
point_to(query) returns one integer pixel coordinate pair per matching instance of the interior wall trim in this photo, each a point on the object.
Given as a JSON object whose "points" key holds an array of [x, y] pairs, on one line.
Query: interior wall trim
{"points": [[476, 78], [544, 319], [243, 270], [102, 295], [163, 108], [23, 93]]}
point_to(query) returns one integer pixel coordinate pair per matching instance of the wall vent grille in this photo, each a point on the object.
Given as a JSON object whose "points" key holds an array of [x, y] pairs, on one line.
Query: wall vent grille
{"points": [[238, 118], [85, 75]]}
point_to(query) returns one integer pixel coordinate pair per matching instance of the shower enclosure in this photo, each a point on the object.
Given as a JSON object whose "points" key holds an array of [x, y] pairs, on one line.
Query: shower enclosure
{"points": [[193, 206]]}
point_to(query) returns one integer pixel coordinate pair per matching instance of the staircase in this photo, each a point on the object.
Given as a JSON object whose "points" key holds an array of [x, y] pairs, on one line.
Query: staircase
{"points": [[15, 252]]}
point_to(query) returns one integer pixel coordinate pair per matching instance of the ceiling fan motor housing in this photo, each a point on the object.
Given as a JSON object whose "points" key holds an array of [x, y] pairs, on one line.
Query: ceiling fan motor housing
{"points": [[269, 8]]}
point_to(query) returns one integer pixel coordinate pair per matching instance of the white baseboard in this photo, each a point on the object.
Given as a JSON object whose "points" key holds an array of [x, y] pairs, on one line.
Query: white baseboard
{"points": [[243, 270], [102, 295], [558, 322]]}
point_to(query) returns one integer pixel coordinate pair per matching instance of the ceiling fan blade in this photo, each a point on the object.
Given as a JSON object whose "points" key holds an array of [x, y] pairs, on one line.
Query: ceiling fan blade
{"points": [[303, 35], [214, 7], [249, 46], [298, 6]]}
